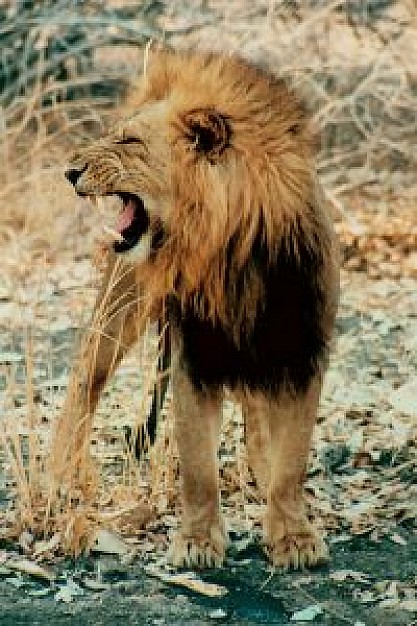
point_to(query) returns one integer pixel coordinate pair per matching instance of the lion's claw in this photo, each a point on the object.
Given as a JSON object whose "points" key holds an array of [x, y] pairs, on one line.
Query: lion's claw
{"points": [[297, 551], [198, 553]]}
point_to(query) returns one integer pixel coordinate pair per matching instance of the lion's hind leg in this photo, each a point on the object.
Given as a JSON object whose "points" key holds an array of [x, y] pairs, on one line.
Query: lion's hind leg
{"points": [[257, 438], [200, 542], [291, 540]]}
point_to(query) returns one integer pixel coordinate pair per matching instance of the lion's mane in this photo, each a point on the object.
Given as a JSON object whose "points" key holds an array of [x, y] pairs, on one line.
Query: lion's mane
{"points": [[249, 259]]}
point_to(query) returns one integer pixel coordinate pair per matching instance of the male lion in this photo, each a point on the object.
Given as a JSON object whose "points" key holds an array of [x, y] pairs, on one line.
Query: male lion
{"points": [[223, 230]]}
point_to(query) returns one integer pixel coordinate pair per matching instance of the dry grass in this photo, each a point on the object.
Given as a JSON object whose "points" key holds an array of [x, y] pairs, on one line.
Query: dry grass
{"points": [[358, 72]]}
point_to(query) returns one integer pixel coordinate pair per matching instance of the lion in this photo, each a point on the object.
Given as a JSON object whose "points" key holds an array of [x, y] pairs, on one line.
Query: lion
{"points": [[223, 232]]}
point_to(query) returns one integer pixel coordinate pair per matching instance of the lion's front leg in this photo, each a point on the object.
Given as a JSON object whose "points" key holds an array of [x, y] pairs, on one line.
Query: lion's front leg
{"points": [[291, 540], [113, 329], [200, 541]]}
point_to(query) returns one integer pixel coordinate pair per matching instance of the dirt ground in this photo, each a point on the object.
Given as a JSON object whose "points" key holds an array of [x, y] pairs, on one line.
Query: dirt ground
{"points": [[254, 595]]}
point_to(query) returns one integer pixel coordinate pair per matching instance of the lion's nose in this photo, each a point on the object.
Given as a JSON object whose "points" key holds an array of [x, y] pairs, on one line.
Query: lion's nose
{"points": [[73, 174]]}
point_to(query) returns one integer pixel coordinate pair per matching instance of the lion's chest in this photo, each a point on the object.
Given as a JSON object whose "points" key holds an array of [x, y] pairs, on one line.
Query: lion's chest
{"points": [[285, 344]]}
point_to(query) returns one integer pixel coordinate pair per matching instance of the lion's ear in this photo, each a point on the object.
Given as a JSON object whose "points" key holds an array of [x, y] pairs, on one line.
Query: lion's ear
{"points": [[208, 131]]}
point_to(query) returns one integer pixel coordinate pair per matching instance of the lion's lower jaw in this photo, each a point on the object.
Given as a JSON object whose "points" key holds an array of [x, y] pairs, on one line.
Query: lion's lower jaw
{"points": [[199, 551], [141, 252], [293, 543]]}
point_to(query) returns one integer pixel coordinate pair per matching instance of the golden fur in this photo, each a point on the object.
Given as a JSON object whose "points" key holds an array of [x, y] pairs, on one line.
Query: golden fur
{"points": [[222, 155]]}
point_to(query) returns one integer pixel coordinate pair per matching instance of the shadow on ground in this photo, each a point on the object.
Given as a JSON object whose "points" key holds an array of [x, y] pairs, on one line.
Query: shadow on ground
{"points": [[255, 594]]}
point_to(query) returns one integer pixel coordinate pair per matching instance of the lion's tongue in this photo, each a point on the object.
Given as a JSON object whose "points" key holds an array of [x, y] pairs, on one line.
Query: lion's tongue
{"points": [[126, 216]]}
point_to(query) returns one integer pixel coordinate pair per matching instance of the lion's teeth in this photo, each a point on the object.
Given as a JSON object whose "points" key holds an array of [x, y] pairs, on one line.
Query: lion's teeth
{"points": [[100, 204], [114, 234], [93, 199]]}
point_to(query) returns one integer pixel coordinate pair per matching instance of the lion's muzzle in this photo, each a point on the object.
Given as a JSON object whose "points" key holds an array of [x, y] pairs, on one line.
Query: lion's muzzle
{"points": [[133, 222]]}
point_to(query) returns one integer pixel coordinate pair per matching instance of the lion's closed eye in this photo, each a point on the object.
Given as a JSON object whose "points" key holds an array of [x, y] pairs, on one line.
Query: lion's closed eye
{"points": [[129, 139]]}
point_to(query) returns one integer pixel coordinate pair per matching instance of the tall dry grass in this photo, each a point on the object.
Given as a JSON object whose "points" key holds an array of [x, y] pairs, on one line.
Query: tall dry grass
{"points": [[356, 67]]}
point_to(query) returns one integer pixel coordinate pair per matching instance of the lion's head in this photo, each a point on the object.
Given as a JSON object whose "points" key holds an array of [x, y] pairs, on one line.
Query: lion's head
{"points": [[213, 152]]}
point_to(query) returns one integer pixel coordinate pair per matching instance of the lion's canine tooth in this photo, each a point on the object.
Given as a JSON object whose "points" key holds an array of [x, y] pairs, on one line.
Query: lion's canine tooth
{"points": [[114, 234], [93, 199]]}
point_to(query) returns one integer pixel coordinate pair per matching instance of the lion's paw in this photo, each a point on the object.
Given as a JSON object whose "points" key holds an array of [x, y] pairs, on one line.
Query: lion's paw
{"points": [[196, 552], [297, 551]]}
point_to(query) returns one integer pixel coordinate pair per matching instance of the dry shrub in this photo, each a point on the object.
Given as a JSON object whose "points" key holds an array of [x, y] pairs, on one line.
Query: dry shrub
{"points": [[22, 445], [355, 63], [58, 487]]}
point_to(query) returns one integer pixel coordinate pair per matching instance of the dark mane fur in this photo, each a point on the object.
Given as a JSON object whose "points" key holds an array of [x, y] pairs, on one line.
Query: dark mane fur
{"points": [[286, 343]]}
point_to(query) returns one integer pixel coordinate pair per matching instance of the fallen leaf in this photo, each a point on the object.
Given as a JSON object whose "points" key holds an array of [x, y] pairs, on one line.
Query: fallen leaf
{"points": [[29, 567], [109, 542], [188, 580], [408, 605], [40, 593], [217, 614], [342, 538], [396, 538], [308, 614], [68, 592], [389, 603], [345, 574], [366, 597], [26, 540], [40, 547], [64, 595], [95, 585], [404, 399], [16, 582], [303, 580]]}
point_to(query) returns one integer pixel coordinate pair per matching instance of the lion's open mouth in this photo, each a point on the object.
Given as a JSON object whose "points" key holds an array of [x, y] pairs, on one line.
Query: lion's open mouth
{"points": [[132, 223]]}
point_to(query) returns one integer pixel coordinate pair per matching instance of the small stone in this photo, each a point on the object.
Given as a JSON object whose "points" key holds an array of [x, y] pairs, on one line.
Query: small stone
{"points": [[308, 614], [217, 614]]}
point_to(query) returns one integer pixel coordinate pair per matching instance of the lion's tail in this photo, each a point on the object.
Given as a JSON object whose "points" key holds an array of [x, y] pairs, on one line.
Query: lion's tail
{"points": [[145, 437]]}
